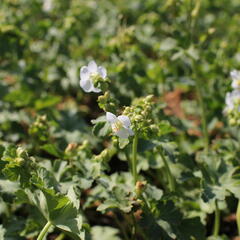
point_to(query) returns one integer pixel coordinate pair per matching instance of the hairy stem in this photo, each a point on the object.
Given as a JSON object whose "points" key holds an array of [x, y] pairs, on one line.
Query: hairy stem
{"points": [[44, 231], [134, 158], [216, 226]]}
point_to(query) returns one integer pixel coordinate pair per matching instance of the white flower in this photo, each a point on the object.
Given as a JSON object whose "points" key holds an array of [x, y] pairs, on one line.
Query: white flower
{"points": [[47, 5], [87, 73], [231, 99], [235, 75], [121, 125]]}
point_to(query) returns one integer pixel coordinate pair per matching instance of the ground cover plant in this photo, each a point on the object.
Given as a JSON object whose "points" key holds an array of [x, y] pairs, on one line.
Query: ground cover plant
{"points": [[119, 119]]}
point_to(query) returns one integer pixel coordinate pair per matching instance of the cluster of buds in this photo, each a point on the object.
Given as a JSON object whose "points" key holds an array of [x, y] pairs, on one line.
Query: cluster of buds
{"points": [[232, 100], [105, 155], [40, 129], [18, 156], [107, 102], [21, 156], [141, 115], [74, 150]]}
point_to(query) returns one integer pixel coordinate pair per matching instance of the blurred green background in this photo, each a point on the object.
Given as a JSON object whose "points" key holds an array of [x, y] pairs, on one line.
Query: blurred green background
{"points": [[148, 47]]}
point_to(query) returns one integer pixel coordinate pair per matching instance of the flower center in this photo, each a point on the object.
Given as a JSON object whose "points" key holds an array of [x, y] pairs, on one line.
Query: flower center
{"points": [[92, 75], [117, 126]]}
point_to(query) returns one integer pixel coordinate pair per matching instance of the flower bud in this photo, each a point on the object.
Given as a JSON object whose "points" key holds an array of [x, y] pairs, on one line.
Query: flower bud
{"points": [[232, 121], [70, 147], [154, 127], [149, 98], [19, 160], [21, 153], [138, 118], [139, 187]]}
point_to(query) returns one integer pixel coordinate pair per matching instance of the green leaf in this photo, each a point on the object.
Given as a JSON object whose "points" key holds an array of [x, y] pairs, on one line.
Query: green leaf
{"points": [[20, 97], [123, 142], [52, 149], [56, 208], [153, 192], [47, 102], [106, 233], [2, 232], [218, 177], [18, 165]]}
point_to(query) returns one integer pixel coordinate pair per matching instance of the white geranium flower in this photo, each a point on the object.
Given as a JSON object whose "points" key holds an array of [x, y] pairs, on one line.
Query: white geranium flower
{"points": [[87, 73], [47, 5], [231, 99], [235, 75], [121, 125]]}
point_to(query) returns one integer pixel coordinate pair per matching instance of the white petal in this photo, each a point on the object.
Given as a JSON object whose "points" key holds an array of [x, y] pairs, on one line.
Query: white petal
{"points": [[92, 67], [96, 90], [102, 72], [235, 74], [228, 99], [122, 133], [86, 85], [130, 131], [125, 120], [111, 117], [234, 84], [84, 73]]}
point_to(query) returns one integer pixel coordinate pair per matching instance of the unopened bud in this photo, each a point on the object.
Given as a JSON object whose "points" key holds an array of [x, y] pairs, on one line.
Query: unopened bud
{"points": [[232, 121], [70, 147], [19, 160], [139, 187], [21, 153], [154, 127], [149, 98], [138, 118]]}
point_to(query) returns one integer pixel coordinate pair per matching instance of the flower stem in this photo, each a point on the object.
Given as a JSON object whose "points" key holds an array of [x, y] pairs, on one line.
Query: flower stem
{"points": [[217, 220], [134, 227], [134, 158], [60, 236], [169, 173], [238, 217], [203, 113], [121, 227], [44, 230]]}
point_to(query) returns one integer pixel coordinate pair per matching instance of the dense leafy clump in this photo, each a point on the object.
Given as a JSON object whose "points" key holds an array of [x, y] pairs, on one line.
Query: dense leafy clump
{"points": [[119, 120]]}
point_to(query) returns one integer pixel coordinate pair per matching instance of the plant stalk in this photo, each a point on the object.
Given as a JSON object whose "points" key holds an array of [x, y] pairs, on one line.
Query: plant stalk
{"points": [[203, 114], [44, 230], [134, 227], [217, 220], [170, 177], [121, 227], [134, 158], [60, 236], [238, 217]]}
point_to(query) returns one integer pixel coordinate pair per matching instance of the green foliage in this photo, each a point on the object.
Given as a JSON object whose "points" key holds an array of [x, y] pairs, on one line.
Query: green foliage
{"points": [[56, 208], [169, 63]]}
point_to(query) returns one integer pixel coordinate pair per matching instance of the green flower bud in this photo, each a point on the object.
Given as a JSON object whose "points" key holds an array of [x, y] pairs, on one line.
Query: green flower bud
{"points": [[138, 118], [232, 121], [19, 160]]}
